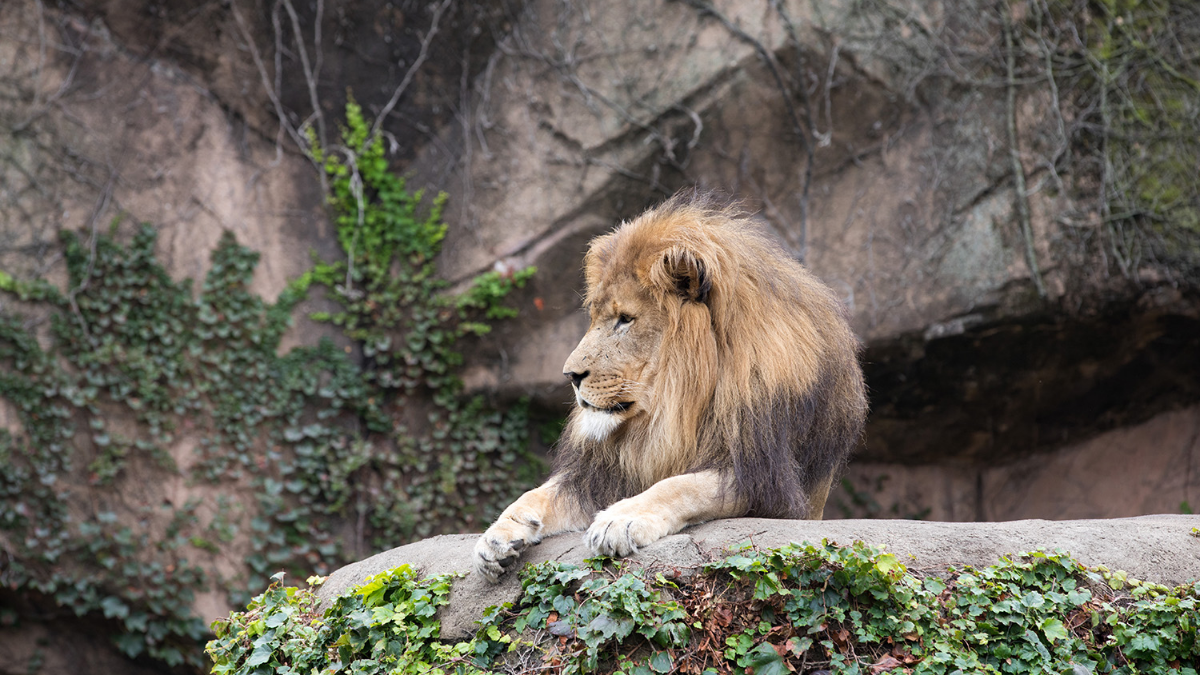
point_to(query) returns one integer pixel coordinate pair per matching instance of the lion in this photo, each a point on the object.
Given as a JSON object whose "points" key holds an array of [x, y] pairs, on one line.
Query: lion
{"points": [[718, 379]]}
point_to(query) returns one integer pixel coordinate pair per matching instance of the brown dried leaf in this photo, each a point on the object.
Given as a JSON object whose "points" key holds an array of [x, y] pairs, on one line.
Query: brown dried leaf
{"points": [[884, 664]]}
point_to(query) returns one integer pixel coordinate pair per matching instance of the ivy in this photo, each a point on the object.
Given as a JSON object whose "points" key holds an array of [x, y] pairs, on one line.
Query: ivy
{"points": [[1130, 70], [798, 608], [141, 392], [386, 625]]}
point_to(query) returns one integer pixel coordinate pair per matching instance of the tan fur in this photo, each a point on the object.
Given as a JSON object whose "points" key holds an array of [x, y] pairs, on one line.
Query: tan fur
{"points": [[721, 322]]}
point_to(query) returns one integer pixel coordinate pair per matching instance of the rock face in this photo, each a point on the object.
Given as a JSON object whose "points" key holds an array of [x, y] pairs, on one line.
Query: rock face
{"points": [[111, 137], [853, 133], [1161, 549], [875, 140], [876, 159]]}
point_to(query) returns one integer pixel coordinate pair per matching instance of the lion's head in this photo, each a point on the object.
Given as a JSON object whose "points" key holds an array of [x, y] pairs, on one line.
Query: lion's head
{"points": [[709, 347]]}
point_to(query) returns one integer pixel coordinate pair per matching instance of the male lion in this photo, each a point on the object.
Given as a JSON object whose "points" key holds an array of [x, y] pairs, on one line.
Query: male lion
{"points": [[718, 379]]}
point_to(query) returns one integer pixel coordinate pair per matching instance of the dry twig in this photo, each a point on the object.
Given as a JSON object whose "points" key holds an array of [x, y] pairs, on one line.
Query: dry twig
{"points": [[412, 69], [1022, 199]]}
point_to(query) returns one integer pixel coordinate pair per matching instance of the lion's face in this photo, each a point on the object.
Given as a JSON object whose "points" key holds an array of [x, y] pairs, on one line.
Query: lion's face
{"points": [[612, 368]]}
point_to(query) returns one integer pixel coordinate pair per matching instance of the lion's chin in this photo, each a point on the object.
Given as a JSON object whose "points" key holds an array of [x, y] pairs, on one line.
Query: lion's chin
{"points": [[597, 425]]}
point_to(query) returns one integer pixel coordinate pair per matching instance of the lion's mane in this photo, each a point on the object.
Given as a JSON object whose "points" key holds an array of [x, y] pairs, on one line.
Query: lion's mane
{"points": [[757, 375]]}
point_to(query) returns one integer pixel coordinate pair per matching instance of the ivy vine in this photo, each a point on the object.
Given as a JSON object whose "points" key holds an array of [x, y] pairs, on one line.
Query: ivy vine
{"points": [[140, 394], [801, 608]]}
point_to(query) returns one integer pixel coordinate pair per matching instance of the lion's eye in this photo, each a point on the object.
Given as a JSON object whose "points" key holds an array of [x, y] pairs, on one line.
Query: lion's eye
{"points": [[623, 320]]}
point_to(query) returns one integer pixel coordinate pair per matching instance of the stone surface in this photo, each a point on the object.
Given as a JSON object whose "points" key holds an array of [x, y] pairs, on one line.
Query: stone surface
{"points": [[1156, 548], [108, 140], [589, 112], [95, 139], [1152, 467]]}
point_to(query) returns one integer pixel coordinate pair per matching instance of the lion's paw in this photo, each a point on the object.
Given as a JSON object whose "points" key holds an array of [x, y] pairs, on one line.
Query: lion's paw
{"points": [[620, 530], [498, 549]]}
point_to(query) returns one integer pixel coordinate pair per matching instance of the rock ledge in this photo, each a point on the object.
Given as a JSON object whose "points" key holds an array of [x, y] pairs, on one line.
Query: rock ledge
{"points": [[1160, 548]]}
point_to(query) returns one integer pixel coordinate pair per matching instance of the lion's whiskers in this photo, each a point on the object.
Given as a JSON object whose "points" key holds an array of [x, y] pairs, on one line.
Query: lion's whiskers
{"points": [[632, 386]]}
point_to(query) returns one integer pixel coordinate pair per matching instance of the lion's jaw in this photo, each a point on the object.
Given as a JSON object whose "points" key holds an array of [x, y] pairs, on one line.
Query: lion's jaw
{"points": [[606, 401], [597, 425]]}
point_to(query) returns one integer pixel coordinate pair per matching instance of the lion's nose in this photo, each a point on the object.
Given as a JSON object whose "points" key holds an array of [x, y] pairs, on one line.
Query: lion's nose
{"points": [[576, 378]]}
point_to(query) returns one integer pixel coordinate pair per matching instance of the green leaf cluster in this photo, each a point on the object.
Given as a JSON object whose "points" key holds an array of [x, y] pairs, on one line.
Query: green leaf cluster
{"points": [[138, 382], [386, 625], [602, 611], [798, 608]]}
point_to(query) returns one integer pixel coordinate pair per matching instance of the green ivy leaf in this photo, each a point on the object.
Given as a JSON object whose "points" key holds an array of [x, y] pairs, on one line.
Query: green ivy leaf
{"points": [[1054, 630], [764, 660], [661, 662], [264, 648], [888, 564]]}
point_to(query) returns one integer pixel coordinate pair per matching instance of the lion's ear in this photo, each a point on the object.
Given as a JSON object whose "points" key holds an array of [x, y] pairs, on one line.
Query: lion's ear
{"points": [[681, 272]]}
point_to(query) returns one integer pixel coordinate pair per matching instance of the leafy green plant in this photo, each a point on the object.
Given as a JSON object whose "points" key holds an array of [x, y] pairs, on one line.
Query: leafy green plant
{"points": [[409, 326], [798, 608], [139, 388], [602, 610], [386, 625]]}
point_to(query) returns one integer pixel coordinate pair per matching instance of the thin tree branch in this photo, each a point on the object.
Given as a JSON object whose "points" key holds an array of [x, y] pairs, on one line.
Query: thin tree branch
{"points": [[310, 78], [412, 70], [266, 78], [1022, 199], [801, 129]]}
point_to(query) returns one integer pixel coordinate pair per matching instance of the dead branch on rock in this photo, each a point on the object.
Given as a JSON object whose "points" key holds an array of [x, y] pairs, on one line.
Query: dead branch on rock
{"points": [[412, 69], [1021, 198], [808, 120], [565, 63], [40, 110], [311, 74], [272, 90], [92, 225], [273, 93]]}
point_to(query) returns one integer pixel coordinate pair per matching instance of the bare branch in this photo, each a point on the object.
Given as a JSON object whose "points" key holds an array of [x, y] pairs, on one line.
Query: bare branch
{"points": [[808, 122], [310, 76], [412, 70], [802, 129], [1022, 199], [92, 224], [272, 92]]}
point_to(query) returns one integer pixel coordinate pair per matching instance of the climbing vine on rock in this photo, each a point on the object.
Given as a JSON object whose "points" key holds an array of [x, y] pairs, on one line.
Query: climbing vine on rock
{"points": [[166, 448], [1125, 79], [801, 608]]}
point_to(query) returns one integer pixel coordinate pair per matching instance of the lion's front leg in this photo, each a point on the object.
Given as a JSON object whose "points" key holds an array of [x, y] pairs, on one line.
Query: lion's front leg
{"points": [[667, 507], [535, 514]]}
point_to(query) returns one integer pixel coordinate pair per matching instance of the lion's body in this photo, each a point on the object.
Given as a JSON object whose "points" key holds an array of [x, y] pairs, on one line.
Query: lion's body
{"points": [[718, 378]]}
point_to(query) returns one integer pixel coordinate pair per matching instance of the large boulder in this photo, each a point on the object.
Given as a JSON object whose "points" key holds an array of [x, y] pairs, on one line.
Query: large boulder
{"points": [[1161, 549]]}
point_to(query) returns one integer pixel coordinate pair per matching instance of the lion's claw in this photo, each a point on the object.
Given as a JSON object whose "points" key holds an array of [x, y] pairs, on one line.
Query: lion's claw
{"points": [[494, 556], [499, 549], [620, 530]]}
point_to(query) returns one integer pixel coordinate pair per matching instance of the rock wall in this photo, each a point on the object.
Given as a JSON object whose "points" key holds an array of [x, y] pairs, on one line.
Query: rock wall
{"points": [[888, 171], [887, 175], [1140, 469], [876, 140]]}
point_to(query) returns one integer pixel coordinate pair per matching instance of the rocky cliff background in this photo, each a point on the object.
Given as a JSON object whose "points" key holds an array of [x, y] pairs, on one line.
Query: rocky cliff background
{"points": [[1004, 194]]}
